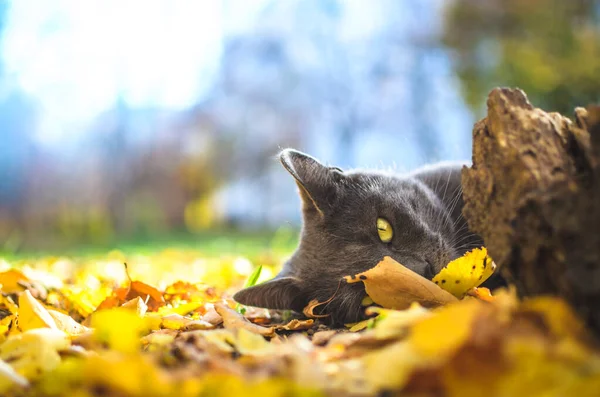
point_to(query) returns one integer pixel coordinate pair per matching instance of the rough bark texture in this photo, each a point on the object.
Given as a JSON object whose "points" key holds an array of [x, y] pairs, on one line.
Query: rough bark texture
{"points": [[533, 194]]}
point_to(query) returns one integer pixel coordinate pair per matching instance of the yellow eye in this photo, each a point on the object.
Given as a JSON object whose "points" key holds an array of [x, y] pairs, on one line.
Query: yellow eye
{"points": [[385, 231]]}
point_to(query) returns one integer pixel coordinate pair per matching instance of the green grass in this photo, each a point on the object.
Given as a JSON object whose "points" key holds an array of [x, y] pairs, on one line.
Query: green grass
{"points": [[213, 243]]}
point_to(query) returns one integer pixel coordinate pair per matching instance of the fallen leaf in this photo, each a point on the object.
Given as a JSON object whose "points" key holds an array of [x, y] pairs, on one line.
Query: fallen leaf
{"points": [[182, 291], [7, 303], [322, 337], [32, 314], [11, 281], [110, 302], [359, 326], [175, 321], [481, 293], [34, 351], [393, 286], [446, 330], [385, 371], [396, 323], [466, 272], [308, 311], [250, 343], [211, 316], [296, 325], [151, 296], [234, 320], [66, 323], [9, 378], [119, 328], [196, 325], [137, 305]]}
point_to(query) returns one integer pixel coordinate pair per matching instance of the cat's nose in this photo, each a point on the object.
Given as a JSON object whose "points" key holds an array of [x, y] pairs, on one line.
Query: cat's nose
{"points": [[429, 270]]}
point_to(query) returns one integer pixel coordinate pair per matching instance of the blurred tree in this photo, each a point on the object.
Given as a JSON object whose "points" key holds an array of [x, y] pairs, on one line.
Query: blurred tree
{"points": [[549, 48]]}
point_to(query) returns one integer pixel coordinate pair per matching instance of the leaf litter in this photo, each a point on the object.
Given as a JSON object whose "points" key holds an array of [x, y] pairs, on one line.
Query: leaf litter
{"points": [[88, 328]]}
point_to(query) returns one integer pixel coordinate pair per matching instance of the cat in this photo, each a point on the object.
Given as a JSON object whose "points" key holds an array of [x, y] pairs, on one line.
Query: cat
{"points": [[351, 220]]}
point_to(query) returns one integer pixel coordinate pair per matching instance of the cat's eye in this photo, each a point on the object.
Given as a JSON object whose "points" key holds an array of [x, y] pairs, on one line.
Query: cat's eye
{"points": [[385, 231]]}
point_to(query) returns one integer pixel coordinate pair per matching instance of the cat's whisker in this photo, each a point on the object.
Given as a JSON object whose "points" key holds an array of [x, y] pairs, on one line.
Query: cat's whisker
{"points": [[461, 238], [467, 239]]}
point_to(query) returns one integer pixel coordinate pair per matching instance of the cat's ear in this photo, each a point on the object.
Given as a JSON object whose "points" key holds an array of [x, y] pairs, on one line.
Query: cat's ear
{"points": [[317, 182], [280, 293]]}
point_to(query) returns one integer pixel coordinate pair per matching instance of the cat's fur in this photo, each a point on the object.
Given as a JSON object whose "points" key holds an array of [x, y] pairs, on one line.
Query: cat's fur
{"points": [[339, 235]]}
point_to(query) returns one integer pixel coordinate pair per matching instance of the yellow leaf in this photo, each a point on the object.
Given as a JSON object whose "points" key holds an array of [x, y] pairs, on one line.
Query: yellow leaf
{"points": [[466, 272], [34, 351], [10, 281], [119, 328], [395, 323], [175, 321], [394, 286], [390, 368], [125, 375], [32, 314], [9, 378], [66, 324], [447, 330], [558, 315], [249, 343], [359, 326]]}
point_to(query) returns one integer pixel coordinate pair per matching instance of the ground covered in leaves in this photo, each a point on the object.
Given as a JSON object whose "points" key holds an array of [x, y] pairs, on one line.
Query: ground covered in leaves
{"points": [[165, 325]]}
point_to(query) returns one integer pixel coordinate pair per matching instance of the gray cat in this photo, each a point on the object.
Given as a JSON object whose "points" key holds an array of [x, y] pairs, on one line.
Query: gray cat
{"points": [[352, 219]]}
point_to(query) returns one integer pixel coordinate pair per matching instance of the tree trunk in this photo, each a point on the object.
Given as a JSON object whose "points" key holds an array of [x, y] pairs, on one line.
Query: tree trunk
{"points": [[533, 194]]}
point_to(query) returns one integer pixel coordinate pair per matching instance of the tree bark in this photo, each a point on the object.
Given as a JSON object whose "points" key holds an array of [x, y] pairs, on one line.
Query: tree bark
{"points": [[533, 194]]}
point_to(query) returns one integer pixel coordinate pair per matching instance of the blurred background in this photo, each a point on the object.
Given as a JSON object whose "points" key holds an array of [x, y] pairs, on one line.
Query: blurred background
{"points": [[159, 120]]}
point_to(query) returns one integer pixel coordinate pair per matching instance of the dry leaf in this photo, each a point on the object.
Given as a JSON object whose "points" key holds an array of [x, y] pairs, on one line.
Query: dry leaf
{"points": [[481, 293], [395, 323], [446, 331], [110, 302], [196, 325], [137, 304], [32, 314], [9, 378], [322, 337], [11, 281], [211, 315], [503, 346], [466, 272], [151, 296], [308, 311], [34, 351], [359, 326], [66, 323], [393, 286], [234, 320], [295, 325]]}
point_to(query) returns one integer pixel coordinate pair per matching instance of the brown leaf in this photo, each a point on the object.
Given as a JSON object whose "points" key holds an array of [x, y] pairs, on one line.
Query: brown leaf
{"points": [[196, 325], [109, 303], [154, 297], [234, 320], [211, 316], [322, 337], [312, 305], [295, 325], [393, 286]]}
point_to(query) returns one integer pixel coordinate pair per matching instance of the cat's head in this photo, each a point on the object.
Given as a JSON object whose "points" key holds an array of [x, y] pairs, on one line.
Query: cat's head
{"points": [[351, 220]]}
